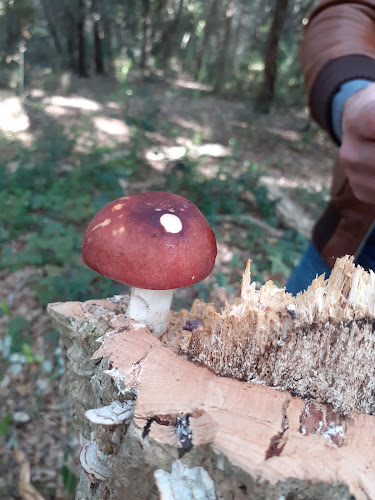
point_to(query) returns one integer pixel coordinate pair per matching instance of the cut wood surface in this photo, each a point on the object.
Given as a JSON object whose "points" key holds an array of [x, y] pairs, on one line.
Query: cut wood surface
{"points": [[171, 428], [320, 344]]}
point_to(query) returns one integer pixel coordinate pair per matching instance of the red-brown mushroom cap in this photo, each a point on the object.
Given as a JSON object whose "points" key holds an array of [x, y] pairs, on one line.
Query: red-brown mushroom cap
{"points": [[154, 240]]}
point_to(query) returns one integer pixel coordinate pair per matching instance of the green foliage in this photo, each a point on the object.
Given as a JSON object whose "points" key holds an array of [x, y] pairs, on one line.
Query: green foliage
{"points": [[16, 330], [123, 71], [73, 281], [225, 192], [43, 212], [69, 479], [5, 425], [4, 308]]}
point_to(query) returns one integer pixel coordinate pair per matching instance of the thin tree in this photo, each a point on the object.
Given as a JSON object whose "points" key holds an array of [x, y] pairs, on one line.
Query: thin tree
{"points": [[108, 23], [157, 22], [52, 27], [80, 26], [98, 46], [223, 58], [209, 29], [146, 38], [168, 37], [234, 61], [267, 89]]}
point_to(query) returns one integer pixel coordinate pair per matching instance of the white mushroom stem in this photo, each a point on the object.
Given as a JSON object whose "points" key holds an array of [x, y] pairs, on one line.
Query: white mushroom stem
{"points": [[150, 307]]}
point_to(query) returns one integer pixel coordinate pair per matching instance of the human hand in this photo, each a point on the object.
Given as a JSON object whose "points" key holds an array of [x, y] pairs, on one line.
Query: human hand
{"points": [[357, 151]]}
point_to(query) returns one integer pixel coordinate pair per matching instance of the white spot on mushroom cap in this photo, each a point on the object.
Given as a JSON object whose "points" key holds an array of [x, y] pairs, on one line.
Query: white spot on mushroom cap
{"points": [[102, 224], [117, 207], [118, 231], [171, 223]]}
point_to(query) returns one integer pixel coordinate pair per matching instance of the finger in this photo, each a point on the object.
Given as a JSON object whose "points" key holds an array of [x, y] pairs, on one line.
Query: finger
{"points": [[358, 161], [358, 118]]}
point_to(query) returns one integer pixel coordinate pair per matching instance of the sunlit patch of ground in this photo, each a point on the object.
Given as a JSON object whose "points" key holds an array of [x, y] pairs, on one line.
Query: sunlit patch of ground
{"points": [[14, 122], [77, 103], [190, 84], [160, 156], [111, 127]]}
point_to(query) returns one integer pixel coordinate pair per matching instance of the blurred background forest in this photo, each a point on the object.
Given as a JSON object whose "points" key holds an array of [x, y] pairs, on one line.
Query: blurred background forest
{"points": [[101, 99]]}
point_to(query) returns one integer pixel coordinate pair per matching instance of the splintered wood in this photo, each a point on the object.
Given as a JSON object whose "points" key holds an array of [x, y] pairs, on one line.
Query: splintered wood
{"points": [[319, 345], [204, 429]]}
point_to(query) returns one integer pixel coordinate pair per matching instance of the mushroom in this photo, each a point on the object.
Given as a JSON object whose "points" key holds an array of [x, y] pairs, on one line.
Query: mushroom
{"points": [[114, 414], [93, 461], [155, 242]]}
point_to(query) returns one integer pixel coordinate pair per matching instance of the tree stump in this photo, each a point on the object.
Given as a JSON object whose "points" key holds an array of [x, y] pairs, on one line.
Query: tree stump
{"points": [[273, 398]]}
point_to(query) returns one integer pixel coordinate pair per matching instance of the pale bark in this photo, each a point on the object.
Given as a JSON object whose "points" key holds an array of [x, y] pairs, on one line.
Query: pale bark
{"points": [[168, 426], [146, 39], [222, 72]]}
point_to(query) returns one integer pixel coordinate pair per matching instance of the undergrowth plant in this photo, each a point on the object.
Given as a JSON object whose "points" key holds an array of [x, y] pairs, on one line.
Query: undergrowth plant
{"points": [[44, 210]]}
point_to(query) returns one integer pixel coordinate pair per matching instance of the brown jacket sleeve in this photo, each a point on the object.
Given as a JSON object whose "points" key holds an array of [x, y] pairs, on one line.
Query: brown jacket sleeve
{"points": [[338, 45]]}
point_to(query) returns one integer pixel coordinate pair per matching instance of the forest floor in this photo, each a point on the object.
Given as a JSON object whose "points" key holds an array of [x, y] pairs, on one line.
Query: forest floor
{"points": [[261, 181]]}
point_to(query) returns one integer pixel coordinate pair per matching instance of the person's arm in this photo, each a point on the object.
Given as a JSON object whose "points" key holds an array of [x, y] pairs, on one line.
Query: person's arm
{"points": [[338, 45]]}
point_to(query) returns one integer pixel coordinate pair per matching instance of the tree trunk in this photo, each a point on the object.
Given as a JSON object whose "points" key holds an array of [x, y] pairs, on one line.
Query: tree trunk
{"points": [[234, 63], [107, 27], [211, 23], [98, 45], [222, 63], [157, 22], [146, 39], [193, 415], [266, 94], [168, 38], [99, 63], [13, 27], [121, 30], [52, 29], [82, 61], [70, 40]]}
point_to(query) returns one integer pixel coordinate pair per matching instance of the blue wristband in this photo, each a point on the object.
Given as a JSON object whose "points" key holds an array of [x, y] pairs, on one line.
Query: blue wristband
{"points": [[346, 90]]}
